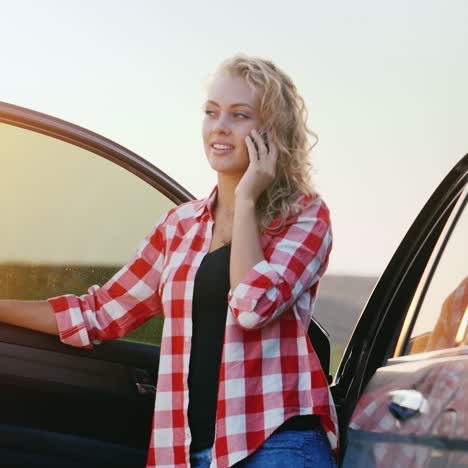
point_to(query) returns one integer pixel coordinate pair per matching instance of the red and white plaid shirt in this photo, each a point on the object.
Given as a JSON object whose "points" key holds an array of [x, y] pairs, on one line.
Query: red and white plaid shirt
{"points": [[269, 370]]}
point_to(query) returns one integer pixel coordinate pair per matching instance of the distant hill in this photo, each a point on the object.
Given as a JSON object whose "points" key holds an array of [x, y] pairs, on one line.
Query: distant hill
{"points": [[339, 303]]}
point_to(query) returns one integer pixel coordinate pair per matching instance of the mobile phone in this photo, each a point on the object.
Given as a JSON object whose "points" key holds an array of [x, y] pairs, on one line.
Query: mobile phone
{"points": [[265, 140]]}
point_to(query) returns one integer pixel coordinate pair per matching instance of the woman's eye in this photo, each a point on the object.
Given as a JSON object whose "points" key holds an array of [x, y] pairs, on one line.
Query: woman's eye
{"points": [[237, 115]]}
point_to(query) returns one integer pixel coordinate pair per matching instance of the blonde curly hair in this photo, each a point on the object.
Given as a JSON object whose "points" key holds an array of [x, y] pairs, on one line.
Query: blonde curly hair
{"points": [[282, 113]]}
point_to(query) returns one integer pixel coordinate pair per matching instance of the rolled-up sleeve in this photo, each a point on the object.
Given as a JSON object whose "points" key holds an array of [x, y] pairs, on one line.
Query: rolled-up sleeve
{"points": [[126, 301], [295, 260]]}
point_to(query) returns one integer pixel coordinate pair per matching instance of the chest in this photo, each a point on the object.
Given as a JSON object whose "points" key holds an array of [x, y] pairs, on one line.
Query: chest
{"points": [[221, 234], [186, 250]]}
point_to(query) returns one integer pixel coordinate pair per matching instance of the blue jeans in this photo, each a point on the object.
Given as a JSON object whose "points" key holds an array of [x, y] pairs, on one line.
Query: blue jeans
{"points": [[292, 449]]}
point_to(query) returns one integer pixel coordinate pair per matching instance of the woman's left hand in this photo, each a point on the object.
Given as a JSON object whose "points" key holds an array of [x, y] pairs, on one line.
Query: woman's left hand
{"points": [[262, 168]]}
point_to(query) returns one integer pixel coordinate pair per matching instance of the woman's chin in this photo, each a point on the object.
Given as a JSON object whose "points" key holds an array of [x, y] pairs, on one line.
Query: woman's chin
{"points": [[226, 167], [229, 170]]}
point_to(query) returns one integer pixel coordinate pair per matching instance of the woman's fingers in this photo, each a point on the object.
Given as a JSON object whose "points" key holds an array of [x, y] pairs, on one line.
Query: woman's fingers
{"points": [[253, 156], [262, 167], [260, 152], [262, 149]]}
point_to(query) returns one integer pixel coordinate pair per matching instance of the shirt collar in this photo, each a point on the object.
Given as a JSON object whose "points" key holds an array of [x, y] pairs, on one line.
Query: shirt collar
{"points": [[207, 204]]}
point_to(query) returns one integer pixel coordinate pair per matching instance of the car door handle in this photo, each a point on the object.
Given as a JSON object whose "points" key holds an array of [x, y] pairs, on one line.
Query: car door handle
{"points": [[145, 389], [407, 403], [143, 382]]}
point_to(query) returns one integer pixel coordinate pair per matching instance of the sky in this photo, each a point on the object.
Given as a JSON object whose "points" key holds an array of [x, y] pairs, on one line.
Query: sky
{"points": [[385, 84]]}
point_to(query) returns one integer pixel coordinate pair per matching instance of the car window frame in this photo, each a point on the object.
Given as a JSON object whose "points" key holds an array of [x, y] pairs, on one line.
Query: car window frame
{"points": [[401, 347]]}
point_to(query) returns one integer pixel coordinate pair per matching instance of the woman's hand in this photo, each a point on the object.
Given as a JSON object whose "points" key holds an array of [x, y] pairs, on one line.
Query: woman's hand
{"points": [[262, 168]]}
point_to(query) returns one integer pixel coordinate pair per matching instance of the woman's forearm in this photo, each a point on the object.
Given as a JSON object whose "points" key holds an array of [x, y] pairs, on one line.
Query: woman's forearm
{"points": [[246, 249], [36, 315]]}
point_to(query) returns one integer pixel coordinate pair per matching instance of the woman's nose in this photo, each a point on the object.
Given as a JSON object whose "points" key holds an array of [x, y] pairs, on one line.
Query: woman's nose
{"points": [[222, 125]]}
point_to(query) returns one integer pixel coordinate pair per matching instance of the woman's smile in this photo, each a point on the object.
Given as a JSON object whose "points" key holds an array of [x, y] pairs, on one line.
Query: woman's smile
{"points": [[222, 149]]}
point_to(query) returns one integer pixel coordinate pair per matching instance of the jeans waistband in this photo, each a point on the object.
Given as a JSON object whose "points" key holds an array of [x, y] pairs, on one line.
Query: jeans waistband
{"points": [[305, 422]]}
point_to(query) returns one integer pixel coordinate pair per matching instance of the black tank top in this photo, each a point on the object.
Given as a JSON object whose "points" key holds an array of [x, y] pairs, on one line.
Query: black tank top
{"points": [[209, 312]]}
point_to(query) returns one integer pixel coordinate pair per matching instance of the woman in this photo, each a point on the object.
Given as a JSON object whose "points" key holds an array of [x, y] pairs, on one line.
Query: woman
{"points": [[236, 276]]}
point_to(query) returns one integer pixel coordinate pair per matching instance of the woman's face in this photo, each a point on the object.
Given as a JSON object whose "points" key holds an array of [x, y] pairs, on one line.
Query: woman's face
{"points": [[231, 112]]}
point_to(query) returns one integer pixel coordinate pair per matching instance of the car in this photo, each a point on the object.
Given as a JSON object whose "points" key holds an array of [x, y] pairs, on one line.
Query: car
{"points": [[74, 207]]}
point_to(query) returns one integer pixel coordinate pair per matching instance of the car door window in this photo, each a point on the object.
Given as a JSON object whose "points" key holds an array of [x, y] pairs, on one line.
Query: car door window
{"points": [[442, 306], [70, 218]]}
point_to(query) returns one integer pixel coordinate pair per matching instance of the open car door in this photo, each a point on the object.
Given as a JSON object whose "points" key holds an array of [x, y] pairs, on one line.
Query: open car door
{"points": [[74, 208], [402, 387]]}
